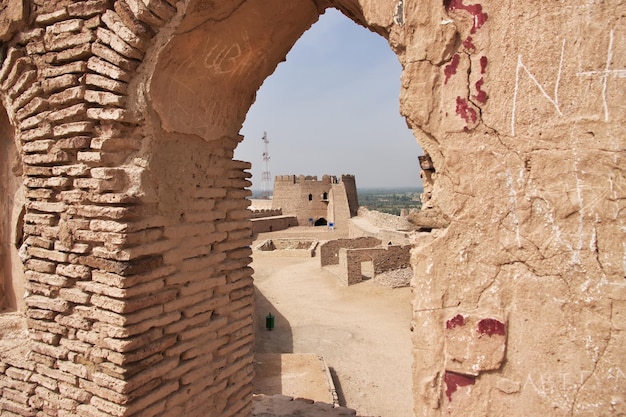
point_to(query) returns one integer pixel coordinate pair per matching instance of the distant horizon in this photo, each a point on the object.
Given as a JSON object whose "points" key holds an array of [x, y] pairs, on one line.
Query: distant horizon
{"points": [[399, 188]]}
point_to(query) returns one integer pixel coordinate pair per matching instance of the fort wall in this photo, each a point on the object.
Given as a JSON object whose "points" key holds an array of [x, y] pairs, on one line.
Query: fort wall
{"points": [[135, 242]]}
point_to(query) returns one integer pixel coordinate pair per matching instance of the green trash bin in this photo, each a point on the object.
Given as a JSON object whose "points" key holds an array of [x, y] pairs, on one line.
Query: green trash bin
{"points": [[269, 321]]}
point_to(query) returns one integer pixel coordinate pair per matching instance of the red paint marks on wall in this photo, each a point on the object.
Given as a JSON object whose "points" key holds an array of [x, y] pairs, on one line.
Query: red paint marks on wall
{"points": [[455, 321], [475, 10], [453, 381], [468, 44], [491, 327], [465, 111], [483, 64], [450, 69], [480, 96]]}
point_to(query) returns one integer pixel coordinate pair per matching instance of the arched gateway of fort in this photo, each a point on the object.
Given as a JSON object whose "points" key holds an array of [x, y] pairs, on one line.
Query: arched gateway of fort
{"points": [[127, 246]]}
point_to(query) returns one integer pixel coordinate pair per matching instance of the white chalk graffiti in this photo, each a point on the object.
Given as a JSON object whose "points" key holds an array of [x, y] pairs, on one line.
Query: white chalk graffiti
{"points": [[554, 101], [605, 73]]}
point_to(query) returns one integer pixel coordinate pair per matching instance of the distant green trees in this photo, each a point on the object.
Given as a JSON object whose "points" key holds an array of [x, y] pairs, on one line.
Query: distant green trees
{"points": [[390, 200]]}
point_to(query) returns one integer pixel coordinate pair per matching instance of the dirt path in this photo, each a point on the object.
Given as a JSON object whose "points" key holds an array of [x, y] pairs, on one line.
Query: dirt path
{"points": [[362, 331]]}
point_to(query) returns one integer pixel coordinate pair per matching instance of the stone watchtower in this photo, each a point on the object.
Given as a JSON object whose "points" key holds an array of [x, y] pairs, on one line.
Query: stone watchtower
{"points": [[316, 202]]}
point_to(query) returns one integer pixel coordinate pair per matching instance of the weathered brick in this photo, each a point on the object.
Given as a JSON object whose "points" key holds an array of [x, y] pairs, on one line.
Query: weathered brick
{"points": [[47, 159], [49, 279], [112, 114], [56, 399], [93, 22], [19, 66], [107, 69], [24, 386], [48, 254], [58, 352], [115, 24], [130, 20], [73, 271], [74, 143], [89, 410], [72, 113], [50, 18], [141, 11], [26, 80], [12, 55], [42, 132], [36, 48], [47, 303], [78, 53], [70, 25], [62, 82], [62, 42], [118, 45], [52, 182], [18, 373], [135, 304], [17, 408], [77, 369], [17, 396], [36, 105], [45, 232], [27, 96], [74, 321], [106, 83], [138, 290], [108, 54], [38, 358], [35, 120], [105, 98], [149, 404], [87, 8], [74, 170], [108, 406], [70, 68], [77, 394], [45, 337], [74, 128], [38, 265], [137, 266]]}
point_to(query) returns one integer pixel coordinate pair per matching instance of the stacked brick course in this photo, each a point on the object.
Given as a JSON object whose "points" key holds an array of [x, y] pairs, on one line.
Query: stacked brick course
{"points": [[128, 312]]}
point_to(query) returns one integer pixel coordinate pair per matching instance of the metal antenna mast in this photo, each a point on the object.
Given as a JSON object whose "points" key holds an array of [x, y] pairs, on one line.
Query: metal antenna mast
{"points": [[266, 177]]}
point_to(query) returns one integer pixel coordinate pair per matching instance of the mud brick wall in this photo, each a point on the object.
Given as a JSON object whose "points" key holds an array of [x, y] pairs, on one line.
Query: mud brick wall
{"points": [[383, 259], [257, 214], [329, 251], [270, 224]]}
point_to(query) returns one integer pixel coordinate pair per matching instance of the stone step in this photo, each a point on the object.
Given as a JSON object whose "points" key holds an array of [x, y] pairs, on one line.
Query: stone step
{"points": [[285, 406]]}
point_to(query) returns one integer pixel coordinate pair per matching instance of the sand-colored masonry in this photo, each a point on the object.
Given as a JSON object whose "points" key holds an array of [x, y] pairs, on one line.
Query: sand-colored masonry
{"points": [[136, 234]]}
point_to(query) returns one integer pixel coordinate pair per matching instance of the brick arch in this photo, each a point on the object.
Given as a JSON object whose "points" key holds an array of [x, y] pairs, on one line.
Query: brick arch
{"points": [[136, 228]]}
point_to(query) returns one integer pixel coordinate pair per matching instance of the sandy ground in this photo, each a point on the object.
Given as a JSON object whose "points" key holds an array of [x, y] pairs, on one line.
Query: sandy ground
{"points": [[362, 331]]}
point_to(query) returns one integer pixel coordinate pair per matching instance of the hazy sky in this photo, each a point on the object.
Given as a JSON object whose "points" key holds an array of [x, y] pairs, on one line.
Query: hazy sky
{"points": [[333, 108]]}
